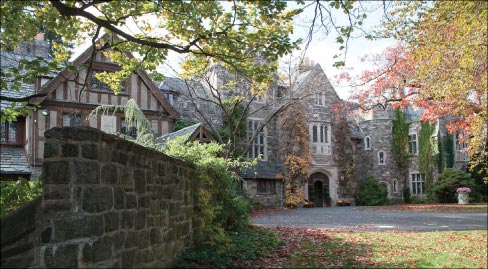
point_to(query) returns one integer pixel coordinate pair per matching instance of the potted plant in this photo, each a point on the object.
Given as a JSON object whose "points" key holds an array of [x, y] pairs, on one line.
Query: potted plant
{"points": [[328, 200], [463, 195], [343, 202]]}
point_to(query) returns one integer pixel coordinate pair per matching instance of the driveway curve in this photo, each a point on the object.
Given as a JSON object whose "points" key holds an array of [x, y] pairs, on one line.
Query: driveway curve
{"points": [[357, 219]]}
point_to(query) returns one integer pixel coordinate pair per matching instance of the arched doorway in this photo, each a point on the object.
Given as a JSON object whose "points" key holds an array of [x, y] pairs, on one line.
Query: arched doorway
{"points": [[318, 189]]}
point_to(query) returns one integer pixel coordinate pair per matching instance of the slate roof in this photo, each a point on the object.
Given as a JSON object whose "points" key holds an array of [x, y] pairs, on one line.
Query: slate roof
{"points": [[179, 85], [187, 130], [356, 132], [301, 79], [10, 59], [13, 161], [265, 169]]}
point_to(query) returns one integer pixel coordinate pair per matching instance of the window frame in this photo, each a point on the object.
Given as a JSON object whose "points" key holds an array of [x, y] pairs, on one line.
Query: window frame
{"points": [[105, 89], [367, 142], [413, 142], [380, 160], [265, 186], [256, 123], [7, 127], [133, 130], [461, 152], [71, 116], [319, 99], [418, 180]]}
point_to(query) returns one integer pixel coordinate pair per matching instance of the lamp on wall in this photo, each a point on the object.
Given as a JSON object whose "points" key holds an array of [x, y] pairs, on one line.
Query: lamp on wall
{"points": [[45, 112]]}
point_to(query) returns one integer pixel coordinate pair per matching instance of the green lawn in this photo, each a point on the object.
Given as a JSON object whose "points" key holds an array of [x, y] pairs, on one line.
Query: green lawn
{"points": [[466, 249]]}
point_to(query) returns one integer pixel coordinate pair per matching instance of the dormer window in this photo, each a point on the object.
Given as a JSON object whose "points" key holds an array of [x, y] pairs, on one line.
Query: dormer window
{"points": [[170, 97]]}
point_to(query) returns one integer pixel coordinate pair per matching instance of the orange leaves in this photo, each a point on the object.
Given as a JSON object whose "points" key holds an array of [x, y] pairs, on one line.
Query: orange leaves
{"points": [[314, 248]]}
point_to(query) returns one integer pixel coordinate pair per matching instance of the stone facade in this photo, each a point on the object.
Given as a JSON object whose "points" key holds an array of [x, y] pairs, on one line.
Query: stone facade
{"points": [[20, 236], [107, 202], [369, 143]]}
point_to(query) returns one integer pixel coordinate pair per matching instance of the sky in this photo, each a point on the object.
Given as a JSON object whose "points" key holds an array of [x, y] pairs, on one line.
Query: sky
{"points": [[322, 48]]}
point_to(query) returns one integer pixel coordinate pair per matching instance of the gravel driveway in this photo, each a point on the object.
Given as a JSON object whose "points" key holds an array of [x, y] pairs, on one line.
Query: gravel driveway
{"points": [[356, 219]]}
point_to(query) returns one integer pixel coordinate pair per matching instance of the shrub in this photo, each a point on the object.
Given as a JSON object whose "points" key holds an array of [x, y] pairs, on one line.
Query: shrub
{"points": [[17, 193], [407, 198], [243, 246], [448, 182], [220, 204], [371, 192]]}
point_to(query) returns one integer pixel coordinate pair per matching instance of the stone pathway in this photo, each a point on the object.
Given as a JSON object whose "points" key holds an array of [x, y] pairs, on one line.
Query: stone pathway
{"points": [[356, 219]]}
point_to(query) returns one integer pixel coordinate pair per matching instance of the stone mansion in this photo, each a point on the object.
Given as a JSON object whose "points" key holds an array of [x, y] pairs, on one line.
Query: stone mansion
{"points": [[65, 103], [369, 141]]}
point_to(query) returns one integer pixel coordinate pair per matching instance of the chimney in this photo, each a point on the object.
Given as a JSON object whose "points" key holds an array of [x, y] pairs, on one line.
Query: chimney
{"points": [[39, 37], [37, 47], [41, 47], [305, 65]]}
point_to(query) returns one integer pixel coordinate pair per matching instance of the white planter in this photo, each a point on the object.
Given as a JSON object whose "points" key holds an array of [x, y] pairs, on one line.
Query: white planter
{"points": [[463, 198]]}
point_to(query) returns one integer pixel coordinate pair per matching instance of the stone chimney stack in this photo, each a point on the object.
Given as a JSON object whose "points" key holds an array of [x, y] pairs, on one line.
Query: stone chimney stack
{"points": [[305, 65], [37, 48]]}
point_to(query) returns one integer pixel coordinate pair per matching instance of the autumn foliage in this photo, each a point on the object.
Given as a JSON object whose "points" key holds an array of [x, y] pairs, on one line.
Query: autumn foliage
{"points": [[296, 154], [440, 67]]}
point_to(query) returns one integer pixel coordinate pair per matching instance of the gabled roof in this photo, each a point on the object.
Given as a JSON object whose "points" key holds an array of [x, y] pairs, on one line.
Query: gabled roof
{"points": [[51, 86], [196, 132], [304, 78], [264, 170], [13, 160], [180, 86]]}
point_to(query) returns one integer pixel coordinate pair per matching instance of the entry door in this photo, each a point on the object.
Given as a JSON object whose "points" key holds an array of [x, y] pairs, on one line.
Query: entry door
{"points": [[319, 194]]}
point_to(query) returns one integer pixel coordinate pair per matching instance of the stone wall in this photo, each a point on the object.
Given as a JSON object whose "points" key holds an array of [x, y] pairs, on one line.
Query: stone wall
{"points": [[108, 202], [273, 199], [20, 237], [379, 131]]}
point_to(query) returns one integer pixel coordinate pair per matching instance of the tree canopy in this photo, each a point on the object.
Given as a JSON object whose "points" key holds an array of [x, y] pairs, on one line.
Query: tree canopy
{"points": [[440, 66], [231, 34]]}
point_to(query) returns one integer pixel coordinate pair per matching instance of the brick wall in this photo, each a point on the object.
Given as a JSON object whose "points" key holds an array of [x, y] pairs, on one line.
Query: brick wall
{"points": [[108, 202]]}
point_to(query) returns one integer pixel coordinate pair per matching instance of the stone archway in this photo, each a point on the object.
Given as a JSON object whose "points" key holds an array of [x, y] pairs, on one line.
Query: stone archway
{"points": [[318, 189]]}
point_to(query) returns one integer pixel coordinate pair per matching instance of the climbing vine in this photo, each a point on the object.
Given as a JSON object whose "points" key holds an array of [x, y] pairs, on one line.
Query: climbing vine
{"points": [[294, 142], [449, 150], [428, 153], [344, 155], [400, 144]]}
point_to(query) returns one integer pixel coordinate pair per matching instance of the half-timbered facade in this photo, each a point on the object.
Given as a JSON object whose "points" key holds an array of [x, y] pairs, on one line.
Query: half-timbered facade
{"points": [[69, 98]]}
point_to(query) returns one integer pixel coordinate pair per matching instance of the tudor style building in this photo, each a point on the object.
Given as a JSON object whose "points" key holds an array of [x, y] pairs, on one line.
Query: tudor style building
{"points": [[68, 100]]}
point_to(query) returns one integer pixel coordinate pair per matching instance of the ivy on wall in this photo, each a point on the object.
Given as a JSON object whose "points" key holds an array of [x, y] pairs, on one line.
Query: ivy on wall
{"points": [[428, 153], [343, 157], [399, 145], [294, 145], [448, 148]]}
